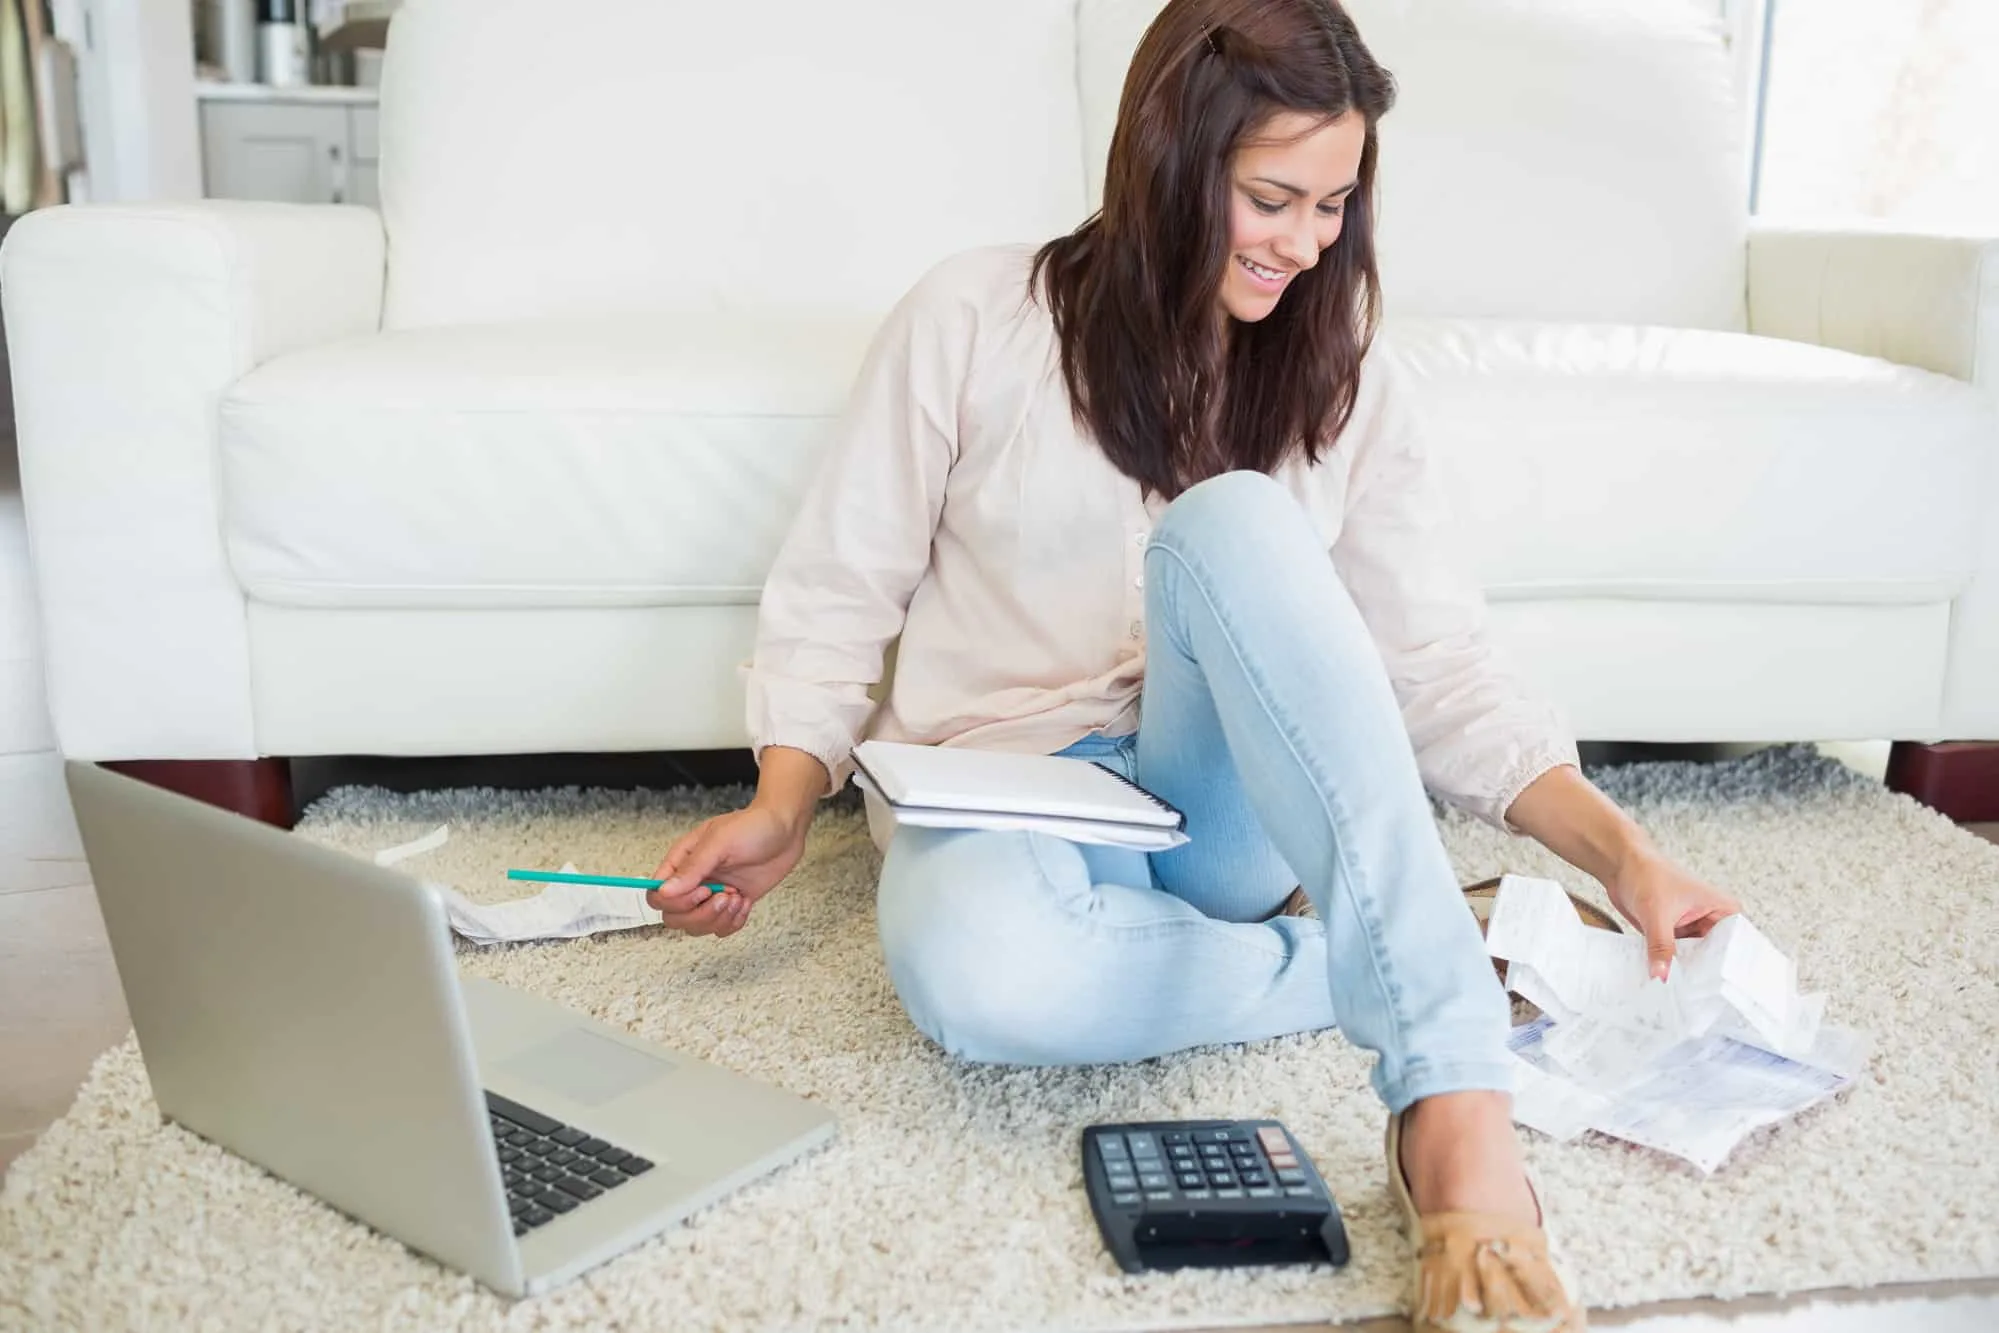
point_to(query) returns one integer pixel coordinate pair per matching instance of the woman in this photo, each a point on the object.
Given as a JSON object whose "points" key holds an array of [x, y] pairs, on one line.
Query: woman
{"points": [[1144, 496]]}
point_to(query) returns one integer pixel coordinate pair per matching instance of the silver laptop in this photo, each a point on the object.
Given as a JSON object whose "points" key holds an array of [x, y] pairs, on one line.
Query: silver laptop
{"points": [[300, 1007]]}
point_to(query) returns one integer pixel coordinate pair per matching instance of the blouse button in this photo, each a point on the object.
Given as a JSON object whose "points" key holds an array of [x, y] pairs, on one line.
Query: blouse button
{"points": [[1138, 629], [1138, 582]]}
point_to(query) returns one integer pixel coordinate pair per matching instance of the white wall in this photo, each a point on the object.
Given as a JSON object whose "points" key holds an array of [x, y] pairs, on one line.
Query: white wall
{"points": [[135, 84]]}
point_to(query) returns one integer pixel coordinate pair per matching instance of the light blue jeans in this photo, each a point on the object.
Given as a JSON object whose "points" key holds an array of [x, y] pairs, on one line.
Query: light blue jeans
{"points": [[1267, 717]]}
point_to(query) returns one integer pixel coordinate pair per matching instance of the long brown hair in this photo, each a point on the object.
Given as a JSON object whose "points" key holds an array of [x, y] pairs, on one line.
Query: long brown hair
{"points": [[1171, 395]]}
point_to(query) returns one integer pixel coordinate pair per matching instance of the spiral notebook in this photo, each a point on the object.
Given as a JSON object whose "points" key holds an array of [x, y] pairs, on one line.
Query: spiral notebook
{"points": [[938, 787]]}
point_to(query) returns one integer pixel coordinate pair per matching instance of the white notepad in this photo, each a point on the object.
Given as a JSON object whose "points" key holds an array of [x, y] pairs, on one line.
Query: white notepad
{"points": [[1075, 799]]}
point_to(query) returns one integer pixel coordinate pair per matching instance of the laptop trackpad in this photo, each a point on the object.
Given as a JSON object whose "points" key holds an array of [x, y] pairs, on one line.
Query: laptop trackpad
{"points": [[586, 1068]]}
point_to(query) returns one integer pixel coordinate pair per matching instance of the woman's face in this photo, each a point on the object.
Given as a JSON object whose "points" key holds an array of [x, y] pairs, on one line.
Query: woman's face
{"points": [[1287, 201]]}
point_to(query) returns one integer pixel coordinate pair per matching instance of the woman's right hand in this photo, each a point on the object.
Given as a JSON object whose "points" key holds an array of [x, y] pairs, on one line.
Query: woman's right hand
{"points": [[748, 851]]}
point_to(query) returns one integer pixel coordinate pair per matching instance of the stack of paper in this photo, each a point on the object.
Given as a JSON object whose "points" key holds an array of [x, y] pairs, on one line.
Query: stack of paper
{"points": [[558, 912], [943, 787], [1689, 1066]]}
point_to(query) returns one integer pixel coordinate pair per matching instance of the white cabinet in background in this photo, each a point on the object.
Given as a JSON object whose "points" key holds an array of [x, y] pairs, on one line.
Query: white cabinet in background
{"points": [[301, 152]]}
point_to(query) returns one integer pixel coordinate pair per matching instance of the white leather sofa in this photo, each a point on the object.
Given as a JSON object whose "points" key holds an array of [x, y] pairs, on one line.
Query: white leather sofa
{"points": [[500, 469]]}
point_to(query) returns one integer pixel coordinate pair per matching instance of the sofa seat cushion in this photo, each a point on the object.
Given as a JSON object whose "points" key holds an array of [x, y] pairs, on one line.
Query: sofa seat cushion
{"points": [[654, 462], [1625, 461], [595, 463]]}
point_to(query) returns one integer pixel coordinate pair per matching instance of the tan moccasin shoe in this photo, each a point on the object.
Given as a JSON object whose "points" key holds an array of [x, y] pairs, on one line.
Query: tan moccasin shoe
{"points": [[1480, 1272]]}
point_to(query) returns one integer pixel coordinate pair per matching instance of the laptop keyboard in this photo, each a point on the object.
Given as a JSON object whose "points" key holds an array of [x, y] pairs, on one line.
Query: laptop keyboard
{"points": [[549, 1167]]}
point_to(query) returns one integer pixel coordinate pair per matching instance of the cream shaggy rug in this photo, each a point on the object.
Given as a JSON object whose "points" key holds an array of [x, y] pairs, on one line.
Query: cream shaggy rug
{"points": [[952, 1198]]}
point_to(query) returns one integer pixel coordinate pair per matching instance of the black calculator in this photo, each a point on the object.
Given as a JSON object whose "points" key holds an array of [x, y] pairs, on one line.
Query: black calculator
{"points": [[1208, 1194]]}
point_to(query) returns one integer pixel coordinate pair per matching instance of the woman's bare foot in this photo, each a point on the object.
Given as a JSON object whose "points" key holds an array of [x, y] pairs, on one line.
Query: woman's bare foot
{"points": [[1460, 1154]]}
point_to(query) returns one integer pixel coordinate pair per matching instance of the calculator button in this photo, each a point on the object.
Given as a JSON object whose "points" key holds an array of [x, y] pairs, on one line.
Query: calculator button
{"points": [[1125, 1198], [1211, 1136], [1175, 1136], [1283, 1161], [1273, 1139], [1255, 1178], [1111, 1148], [1291, 1177], [1228, 1194], [1263, 1192], [1300, 1191], [1142, 1145], [1154, 1180], [1159, 1196], [1196, 1194], [1190, 1181]]}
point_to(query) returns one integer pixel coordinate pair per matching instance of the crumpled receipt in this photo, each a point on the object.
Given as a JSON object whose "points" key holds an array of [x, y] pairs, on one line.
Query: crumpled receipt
{"points": [[558, 912], [1689, 1066]]}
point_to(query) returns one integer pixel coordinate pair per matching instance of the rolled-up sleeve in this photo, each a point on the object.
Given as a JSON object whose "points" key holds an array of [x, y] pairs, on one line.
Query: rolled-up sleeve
{"points": [[1480, 736], [840, 587]]}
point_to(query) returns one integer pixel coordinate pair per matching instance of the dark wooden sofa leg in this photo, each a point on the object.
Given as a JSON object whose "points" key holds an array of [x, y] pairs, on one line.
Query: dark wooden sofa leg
{"points": [[259, 789], [1957, 779]]}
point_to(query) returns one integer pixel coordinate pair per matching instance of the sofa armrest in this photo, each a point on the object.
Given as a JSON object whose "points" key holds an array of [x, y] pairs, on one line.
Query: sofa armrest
{"points": [[1924, 300], [125, 325], [1930, 301]]}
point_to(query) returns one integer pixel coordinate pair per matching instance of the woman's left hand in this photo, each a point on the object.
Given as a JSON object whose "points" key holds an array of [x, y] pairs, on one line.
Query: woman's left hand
{"points": [[1666, 903]]}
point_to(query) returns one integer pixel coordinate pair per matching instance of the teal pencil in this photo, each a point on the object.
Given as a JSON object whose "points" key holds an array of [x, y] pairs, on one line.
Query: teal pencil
{"points": [[608, 881]]}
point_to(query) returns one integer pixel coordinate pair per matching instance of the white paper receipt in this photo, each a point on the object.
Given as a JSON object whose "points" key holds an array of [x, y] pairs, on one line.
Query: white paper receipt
{"points": [[1689, 1066], [558, 912]]}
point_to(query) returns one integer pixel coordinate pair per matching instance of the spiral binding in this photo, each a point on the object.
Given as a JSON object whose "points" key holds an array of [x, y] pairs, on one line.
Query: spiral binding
{"points": [[1157, 800]]}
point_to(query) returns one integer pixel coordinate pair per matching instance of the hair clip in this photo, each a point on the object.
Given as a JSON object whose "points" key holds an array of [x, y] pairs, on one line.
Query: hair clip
{"points": [[1208, 32]]}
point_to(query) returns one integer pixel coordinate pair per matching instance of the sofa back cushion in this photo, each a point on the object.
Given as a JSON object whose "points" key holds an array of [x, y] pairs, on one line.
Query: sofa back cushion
{"points": [[605, 156], [1551, 159]]}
